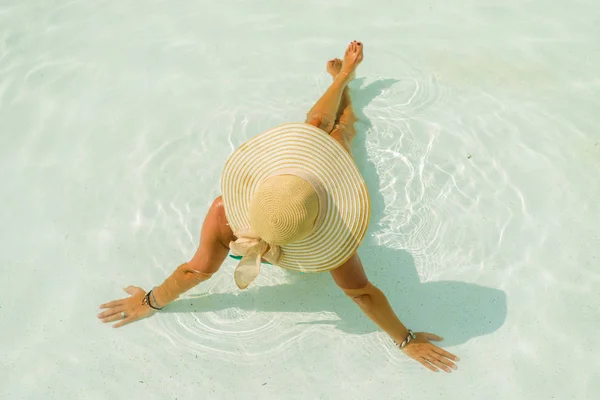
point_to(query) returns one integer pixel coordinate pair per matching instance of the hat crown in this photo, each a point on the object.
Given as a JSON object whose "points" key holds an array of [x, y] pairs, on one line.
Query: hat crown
{"points": [[283, 209]]}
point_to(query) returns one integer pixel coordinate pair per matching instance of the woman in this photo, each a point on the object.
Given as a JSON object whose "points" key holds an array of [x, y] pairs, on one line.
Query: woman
{"points": [[292, 196]]}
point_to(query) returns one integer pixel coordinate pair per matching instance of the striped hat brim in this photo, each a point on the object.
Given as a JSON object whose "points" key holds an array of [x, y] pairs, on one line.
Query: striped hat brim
{"points": [[306, 147]]}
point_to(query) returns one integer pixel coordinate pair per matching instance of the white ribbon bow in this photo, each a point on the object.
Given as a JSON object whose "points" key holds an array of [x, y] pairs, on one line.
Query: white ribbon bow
{"points": [[252, 249]]}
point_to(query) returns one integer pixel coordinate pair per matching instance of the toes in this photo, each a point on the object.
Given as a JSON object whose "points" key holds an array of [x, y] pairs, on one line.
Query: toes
{"points": [[354, 46], [351, 47], [334, 64]]}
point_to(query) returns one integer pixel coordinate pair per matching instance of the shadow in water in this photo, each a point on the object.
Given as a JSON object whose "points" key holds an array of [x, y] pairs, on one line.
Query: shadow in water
{"points": [[361, 97], [455, 310]]}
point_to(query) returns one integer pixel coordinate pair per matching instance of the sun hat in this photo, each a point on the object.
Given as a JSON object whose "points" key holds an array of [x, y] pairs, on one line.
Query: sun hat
{"points": [[294, 197]]}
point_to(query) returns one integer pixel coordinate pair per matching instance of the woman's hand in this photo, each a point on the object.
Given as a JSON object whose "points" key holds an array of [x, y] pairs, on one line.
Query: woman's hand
{"points": [[429, 354], [126, 310]]}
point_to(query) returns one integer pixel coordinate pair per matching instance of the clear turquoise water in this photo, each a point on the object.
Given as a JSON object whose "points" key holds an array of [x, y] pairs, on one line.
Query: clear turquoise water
{"points": [[479, 142]]}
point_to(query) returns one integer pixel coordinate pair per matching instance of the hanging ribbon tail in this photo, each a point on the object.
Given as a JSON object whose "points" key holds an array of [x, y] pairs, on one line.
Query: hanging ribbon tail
{"points": [[247, 270]]}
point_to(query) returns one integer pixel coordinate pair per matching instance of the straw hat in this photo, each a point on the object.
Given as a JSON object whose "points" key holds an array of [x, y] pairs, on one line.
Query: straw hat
{"points": [[294, 197]]}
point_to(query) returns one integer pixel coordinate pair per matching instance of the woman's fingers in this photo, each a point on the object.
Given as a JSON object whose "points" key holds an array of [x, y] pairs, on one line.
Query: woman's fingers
{"points": [[111, 311], [132, 290], [444, 353], [432, 336], [426, 363], [112, 304], [115, 317], [435, 361], [130, 307], [124, 321], [443, 360], [428, 354]]}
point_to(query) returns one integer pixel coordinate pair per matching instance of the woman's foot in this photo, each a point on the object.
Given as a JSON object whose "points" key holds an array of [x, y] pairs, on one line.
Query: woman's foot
{"points": [[334, 67], [352, 57], [323, 114]]}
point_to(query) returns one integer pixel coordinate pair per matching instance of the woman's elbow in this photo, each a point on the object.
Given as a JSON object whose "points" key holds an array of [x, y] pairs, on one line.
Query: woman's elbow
{"points": [[194, 275], [363, 296]]}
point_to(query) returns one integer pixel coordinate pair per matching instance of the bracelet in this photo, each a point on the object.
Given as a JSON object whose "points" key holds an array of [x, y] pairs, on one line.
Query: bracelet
{"points": [[146, 301], [409, 338], [154, 299]]}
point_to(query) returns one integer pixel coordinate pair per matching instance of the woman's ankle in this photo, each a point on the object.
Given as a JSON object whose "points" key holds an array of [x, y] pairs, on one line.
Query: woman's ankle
{"points": [[343, 78]]}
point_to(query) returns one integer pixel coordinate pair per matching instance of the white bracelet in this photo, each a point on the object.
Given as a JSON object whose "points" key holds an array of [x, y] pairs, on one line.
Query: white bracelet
{"points": [[409, 338]]}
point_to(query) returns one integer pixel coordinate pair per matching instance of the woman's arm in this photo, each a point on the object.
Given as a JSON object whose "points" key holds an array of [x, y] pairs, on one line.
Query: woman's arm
{"points": [[351, 278], [214, 239], [214, 247]]}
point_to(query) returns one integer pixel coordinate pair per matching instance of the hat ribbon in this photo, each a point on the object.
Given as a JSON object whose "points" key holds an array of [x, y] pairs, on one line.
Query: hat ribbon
{"points": [[252, 249]]}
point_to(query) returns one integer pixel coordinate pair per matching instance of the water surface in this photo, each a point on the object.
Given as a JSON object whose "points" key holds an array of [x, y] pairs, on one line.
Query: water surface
{"points": [[478, 140]]}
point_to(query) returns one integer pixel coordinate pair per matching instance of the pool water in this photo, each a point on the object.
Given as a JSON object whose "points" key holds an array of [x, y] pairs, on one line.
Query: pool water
{"points": [[478, 140]]}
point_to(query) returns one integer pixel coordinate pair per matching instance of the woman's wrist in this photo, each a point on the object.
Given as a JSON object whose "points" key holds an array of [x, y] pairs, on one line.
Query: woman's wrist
{"points": [[149, 301], [154, 299], [169, 290], [160, 297], [409, 338], [401, 334]]}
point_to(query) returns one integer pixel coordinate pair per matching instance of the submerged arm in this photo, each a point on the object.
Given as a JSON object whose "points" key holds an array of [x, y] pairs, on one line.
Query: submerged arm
{"points": [[211, 253], [351, 278]]}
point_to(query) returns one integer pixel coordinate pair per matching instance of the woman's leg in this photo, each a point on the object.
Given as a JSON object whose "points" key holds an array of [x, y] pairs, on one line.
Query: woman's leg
{"points": [[334, 67], [323, 113], [343, 129]]}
